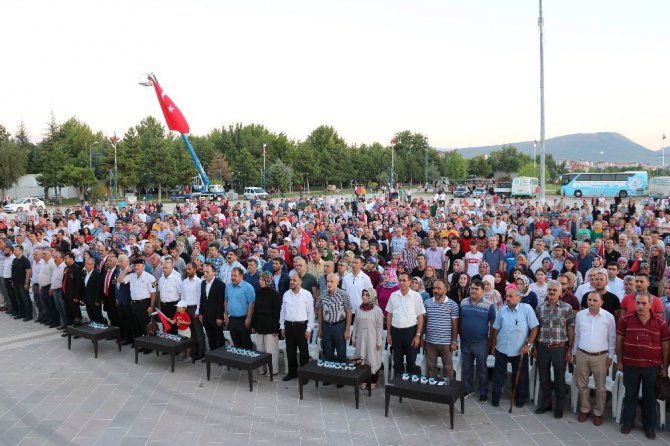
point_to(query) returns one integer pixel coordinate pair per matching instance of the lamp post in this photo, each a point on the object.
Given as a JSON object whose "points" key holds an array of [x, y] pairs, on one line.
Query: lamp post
{"points": [[540, 24], [393, 143]]}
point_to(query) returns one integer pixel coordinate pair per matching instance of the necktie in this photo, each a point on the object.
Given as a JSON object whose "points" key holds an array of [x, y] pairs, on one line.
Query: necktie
{"points": [[65, 277], [109, 275]]}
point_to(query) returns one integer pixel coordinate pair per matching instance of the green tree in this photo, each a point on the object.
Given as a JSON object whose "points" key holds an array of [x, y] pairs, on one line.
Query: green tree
{"points": [[158, 165], [527, 170], [508, 160], [280, 176], [12, 164], [218, 169], [480, 166], [246, 169], [455, 166], [5, 136]]}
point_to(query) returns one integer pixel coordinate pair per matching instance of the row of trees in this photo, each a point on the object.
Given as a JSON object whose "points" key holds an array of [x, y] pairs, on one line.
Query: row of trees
{"points": [[149, 157]]}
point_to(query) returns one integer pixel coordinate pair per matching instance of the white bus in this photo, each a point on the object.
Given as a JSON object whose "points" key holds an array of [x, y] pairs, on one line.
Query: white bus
{"points": [[659, 187], [525, 187], [596, 184]]}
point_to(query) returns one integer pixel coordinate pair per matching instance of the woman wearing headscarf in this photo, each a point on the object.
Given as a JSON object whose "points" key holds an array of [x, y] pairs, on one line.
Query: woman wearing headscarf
{"points": [[491, 294], [459, 290], [417, 285], [265, 320], [484, 269], [482, 240], [527, 296], [465, 240], [388, 286], [368, 333], [459, 267], [500, 283]]}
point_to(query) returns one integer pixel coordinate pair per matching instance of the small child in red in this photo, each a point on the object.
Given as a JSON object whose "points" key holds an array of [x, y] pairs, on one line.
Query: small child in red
{"points": [[183, 321]]}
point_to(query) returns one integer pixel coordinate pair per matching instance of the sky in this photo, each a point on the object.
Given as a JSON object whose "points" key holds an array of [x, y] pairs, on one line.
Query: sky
{"points": [[462, 72]]}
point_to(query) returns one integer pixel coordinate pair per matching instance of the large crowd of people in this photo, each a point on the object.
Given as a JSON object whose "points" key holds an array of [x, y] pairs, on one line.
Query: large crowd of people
{"points": [[582, 285]]}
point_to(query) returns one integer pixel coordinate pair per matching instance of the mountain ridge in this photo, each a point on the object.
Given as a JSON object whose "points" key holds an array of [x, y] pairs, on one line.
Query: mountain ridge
{"points": [[615, 147]]}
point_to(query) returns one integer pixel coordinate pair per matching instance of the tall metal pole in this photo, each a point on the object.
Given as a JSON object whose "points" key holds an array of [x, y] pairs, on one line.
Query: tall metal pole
{"points": [[265, 147], [392, 163], [540, 23], [116, 173]]}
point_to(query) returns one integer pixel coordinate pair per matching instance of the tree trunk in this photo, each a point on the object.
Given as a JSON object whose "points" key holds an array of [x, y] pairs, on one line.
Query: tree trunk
{"points": [[160, 193], [46, 193]]}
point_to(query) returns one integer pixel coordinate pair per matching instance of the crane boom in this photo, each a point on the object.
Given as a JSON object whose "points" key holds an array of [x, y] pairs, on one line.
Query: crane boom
{"points": [[204, 179]]}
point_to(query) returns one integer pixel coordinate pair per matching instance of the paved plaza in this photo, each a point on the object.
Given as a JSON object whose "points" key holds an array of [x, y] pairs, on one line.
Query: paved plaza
{"points": [[52, 396]]}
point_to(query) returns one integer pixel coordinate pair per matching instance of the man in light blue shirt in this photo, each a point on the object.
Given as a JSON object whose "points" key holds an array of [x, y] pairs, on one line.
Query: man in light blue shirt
{"points": [[513, 335], [239, 308]]}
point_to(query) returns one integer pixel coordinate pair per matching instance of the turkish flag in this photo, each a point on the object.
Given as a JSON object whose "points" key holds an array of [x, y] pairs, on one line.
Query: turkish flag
{"points": [[175, 120], [164, 321]]}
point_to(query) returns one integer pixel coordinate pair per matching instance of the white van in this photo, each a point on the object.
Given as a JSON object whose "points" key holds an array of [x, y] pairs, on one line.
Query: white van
{"points": [[254, 193], [659, 187], [525, 187]]}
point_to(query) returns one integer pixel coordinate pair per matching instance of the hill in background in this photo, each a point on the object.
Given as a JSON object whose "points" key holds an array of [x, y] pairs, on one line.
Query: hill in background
{"points": [[583, 146]]}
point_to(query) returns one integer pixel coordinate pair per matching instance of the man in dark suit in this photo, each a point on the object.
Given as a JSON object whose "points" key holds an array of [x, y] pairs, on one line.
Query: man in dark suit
{"points": [[92, 291], [211, 306], [73, 283], [109, 275]]}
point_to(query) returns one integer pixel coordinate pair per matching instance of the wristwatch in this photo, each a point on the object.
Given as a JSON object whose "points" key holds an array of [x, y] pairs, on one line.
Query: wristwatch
{"points": [[529, 345]]}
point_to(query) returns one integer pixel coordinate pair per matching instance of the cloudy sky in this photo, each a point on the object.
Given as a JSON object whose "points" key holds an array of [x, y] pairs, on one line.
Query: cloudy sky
{"points": [[462, 72]]}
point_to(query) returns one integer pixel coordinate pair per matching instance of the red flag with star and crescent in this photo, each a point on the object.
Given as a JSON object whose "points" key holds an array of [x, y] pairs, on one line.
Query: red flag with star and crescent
{"points": [[173, 116]]}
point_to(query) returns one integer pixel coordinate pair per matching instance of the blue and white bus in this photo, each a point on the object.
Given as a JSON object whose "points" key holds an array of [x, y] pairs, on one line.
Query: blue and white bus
{"points": [[621, 184]]}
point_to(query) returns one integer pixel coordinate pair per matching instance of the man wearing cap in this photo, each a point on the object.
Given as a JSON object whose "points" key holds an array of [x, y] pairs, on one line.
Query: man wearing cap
{"points": [[169, 290], [142, 295], [239, 302]]}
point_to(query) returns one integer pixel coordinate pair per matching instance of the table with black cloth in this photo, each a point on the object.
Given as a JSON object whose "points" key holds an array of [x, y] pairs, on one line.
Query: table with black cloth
{"points": [[162, 344], [94, 334], [225, 357], [445, 394], [311, 370]]}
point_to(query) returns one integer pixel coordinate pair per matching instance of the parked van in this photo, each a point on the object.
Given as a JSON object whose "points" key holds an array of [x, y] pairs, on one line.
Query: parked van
{"points": [[525, 187], [254, 193], [659, 187]]}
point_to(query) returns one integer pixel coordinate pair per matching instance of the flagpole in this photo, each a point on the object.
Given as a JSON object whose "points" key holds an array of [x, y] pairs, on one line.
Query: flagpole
{"points": [[540, 23], [663, 152]]}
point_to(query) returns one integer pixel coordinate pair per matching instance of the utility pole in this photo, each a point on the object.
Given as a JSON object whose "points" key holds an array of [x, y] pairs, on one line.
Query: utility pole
{"points": [[540, 24], [265, 152], [425, 168]]}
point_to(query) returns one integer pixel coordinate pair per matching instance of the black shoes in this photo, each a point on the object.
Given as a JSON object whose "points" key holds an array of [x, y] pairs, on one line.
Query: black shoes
{"points": [[495, 403], [519, 404], [542, 409], [558, 413], [289, 377], [483, 398]]}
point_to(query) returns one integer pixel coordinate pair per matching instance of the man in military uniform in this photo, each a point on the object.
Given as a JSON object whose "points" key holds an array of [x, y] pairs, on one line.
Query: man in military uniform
{"points": [[142, 295]]}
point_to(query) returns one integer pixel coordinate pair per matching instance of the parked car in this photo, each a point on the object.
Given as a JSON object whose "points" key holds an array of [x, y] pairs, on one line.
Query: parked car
{"points": [[479, 192], [503, 188], [253, 193], [24, 203], [461, 191]]}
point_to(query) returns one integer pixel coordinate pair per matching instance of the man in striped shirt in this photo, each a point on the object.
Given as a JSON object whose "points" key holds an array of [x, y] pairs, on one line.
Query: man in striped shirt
{"points": [[441, 330], [643, 347]]}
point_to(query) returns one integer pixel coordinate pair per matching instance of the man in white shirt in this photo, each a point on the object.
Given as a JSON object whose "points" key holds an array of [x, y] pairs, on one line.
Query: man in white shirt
{"points": [[593, 350], [36, 267], [614, 284], [50, 316], [56, 289], [404, 323], [296, 319], [355, 282], [191, 295], [472, 260], [169, 290]]}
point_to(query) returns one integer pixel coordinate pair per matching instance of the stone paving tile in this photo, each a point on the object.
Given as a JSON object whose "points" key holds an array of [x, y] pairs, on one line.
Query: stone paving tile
{"points": [[52, 396]]}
